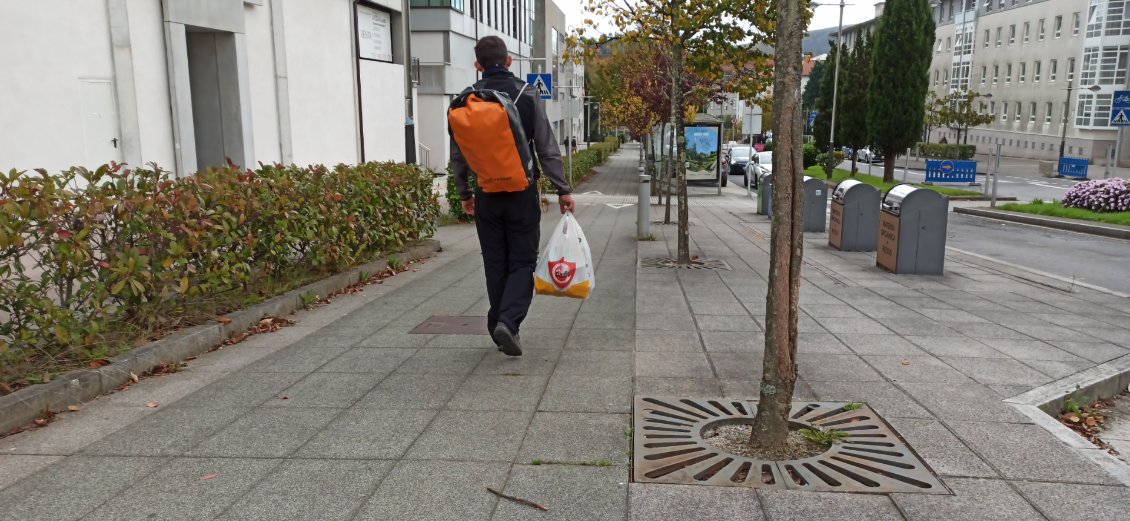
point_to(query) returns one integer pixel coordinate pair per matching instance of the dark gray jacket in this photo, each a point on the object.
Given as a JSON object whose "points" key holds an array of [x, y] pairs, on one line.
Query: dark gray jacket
{"points": [[536, 125]]}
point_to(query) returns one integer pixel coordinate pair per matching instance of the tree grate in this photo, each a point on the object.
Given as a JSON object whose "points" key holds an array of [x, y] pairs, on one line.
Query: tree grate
{"points": [[697, 264], [668, 447]]}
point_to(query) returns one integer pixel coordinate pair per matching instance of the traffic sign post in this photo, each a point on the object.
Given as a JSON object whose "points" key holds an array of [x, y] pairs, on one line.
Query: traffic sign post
{"points": [[948, 171], [1119, 117], [542, 84]]}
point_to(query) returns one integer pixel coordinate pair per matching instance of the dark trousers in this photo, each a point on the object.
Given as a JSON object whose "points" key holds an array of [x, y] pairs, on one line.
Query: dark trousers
{"points": [[509, 227]]}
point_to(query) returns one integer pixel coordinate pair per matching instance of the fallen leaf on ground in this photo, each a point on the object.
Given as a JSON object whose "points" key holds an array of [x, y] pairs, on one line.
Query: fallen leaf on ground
{"points": [[208, 477], [223, 320], [72, 408], [133, 377], [283, 398], [518, 500], [905, 361], [41, 422], [151, 405]]}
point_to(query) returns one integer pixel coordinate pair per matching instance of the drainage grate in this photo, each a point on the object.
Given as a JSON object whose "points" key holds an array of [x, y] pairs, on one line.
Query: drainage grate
{"points": [[697, 264], [669, 448], [448, 325]]}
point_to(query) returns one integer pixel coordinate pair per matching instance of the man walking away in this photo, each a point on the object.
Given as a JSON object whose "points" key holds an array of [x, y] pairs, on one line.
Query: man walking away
{"points": [[508, 222]]}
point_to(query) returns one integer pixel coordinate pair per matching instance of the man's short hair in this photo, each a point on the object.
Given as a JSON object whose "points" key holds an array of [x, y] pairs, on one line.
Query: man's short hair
{"points": [[491, 52]]}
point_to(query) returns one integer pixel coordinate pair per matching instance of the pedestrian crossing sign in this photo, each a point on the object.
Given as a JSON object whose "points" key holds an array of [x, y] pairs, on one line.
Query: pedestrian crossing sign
{"points": [[542, 84], [1119, 119]]}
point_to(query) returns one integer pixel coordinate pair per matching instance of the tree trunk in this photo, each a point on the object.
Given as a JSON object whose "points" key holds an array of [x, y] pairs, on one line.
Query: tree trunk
{"points": [[678, 117], [889, 168], [667, 178], [854, 168], [779, 369]]}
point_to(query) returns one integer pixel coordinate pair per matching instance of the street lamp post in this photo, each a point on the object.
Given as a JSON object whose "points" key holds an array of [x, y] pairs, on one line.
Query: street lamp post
{"points": [[1066, 111], [835, 85]]}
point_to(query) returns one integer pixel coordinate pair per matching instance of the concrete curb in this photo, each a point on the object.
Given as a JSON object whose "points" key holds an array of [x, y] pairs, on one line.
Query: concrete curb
{"points": [[832, 186], [1101, 382], [20, 408], [1048, 222]]}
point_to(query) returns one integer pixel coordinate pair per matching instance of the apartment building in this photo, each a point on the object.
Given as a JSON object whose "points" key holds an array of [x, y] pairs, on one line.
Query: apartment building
{"points": [[189, 84], [1047, 70], [444, 33]]}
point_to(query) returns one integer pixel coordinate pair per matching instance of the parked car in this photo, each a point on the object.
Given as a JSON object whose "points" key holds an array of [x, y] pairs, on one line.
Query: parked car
{"points": [[869, 155], [762, 164], [738, 159]]}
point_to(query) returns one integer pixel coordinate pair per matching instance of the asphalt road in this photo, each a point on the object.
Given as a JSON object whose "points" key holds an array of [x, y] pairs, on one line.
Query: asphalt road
{"points": [[1023, 188], [1095, 260]]}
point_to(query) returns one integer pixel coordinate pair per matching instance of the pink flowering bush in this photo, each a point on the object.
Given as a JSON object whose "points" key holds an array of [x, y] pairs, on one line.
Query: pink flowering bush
{"points": [[1102, 195]]}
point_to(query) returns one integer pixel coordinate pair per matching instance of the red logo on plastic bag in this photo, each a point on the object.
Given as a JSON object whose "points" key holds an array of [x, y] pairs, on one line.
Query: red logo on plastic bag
{"points": [[562, 272]]}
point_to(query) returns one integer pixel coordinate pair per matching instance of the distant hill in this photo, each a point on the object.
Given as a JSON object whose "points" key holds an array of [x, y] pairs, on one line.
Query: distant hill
{"points": [[816, 41]]}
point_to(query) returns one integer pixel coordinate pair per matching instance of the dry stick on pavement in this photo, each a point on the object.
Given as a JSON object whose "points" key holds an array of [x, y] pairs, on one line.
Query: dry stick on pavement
{"points": [[518, 500]]}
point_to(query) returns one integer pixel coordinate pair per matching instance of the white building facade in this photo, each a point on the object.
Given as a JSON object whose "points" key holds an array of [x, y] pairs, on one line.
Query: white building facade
{"points": [[444, 33], [1023, 56], [188, 84]]}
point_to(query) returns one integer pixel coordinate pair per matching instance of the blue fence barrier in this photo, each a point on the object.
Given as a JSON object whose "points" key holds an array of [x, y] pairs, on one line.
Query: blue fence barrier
{"points": [[950, 171], [1073, 167]]}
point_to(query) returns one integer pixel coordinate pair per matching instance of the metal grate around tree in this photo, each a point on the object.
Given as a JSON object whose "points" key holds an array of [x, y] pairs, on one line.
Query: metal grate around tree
{"points": [[668, 447], [696, 264]]}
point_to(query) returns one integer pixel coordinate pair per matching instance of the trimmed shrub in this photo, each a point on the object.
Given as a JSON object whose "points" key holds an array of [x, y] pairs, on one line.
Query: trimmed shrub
{"points": [[454, 203], [87, 271], [1101, 195], [811, 154], [946, 151]]}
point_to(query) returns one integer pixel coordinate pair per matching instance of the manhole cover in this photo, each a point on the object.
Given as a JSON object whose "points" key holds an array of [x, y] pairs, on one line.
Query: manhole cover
{"points": [[449, 325], [697, 264], [669, 448]]}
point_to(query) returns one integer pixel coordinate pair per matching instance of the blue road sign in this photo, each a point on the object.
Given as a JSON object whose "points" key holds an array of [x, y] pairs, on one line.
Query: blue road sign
{"points": [[948, 171], [542, 84], [1120, 109], [1073, 167], [811, 118]]}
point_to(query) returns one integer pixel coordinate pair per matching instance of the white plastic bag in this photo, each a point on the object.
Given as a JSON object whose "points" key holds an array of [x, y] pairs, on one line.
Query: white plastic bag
{"points": [[565, 267]]}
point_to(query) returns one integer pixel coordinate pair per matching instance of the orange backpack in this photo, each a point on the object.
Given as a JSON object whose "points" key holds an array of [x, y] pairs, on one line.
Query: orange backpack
{"points": [[488, 130]]}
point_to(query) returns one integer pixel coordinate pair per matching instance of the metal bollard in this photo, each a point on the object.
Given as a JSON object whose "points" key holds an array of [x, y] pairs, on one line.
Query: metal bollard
{"points": [[905, 164], [643, 217]]}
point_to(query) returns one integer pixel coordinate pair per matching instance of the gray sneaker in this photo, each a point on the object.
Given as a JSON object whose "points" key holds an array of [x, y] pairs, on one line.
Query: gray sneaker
{"points": [[508, 342]]}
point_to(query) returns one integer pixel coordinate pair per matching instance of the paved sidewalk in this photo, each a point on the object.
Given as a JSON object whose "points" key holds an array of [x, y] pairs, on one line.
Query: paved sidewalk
{"points": [[347, 416]]}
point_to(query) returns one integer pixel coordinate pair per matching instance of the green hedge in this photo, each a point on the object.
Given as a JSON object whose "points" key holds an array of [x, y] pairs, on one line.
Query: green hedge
{"points": [[946, 151], [140, 250]]}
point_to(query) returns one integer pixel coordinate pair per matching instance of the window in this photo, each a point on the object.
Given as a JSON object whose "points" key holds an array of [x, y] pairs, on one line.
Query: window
{"points": [[1017, 112], [996, 74], [1095, 17], [946, 77], [1036, 72], [984, 73], [1104, 65], [1058, 25], [1027, 31], [1012, 34], [1092, 110], [993, 108], [1117, 23], [1023, 71], [1032, 112], [1075, 24], [1047, 114], [986, 45], [1008, 74], [999, 36], [1053, 65], [1040, 30], [948, 44], [936, 74], [938, 50], [1070, 69], [1004, 112]]}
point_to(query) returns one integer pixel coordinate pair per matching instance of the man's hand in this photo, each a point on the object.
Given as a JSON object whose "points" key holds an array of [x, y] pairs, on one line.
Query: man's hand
{"points": [[566, 202], [469, 206]]}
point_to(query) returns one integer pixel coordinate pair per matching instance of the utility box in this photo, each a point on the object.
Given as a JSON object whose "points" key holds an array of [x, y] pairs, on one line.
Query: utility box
{"points": [[765, 194], [815, 204], [854, 223], [912, 231]]}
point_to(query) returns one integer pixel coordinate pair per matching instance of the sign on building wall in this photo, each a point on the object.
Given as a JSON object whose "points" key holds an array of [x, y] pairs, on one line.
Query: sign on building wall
{"points": [[374, 34]]}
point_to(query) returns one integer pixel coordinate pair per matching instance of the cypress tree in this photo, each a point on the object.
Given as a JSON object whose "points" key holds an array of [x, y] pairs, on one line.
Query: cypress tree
{"points": [[823, 121], [854, 99], [900, 66]]}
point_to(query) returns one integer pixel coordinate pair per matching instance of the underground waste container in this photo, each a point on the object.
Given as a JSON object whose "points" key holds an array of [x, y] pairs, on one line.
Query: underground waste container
{"points": [[765, 194], [912, 231], [815, 204], [854, 221]]}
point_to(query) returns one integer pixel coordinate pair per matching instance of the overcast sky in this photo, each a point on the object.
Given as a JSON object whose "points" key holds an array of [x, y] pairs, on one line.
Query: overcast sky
{"points": [[826, 16]]}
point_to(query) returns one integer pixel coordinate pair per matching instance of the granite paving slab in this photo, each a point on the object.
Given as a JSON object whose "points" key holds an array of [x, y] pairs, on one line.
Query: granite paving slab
{"points": [[570, 492], [973, 500], [436, 491], [648, 502]]}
